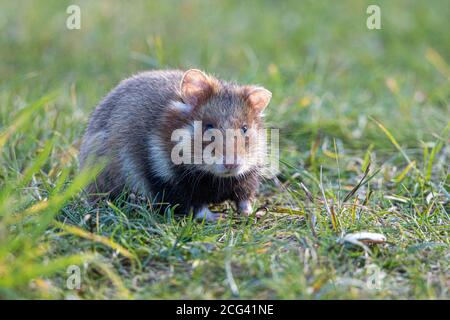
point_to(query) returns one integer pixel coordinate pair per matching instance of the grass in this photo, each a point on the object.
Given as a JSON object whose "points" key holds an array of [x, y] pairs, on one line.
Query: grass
{"points": [[364, 128]]}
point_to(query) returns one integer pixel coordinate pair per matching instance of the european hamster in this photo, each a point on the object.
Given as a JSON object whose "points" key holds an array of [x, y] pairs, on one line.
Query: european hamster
{"points": [[134, 127]]}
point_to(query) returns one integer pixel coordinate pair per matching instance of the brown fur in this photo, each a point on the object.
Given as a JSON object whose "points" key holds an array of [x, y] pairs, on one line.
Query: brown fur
{"points": [[132, 127]]}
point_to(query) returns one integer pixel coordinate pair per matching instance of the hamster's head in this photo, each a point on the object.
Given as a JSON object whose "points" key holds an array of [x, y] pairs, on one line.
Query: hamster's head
{"points": [[228, 121]]}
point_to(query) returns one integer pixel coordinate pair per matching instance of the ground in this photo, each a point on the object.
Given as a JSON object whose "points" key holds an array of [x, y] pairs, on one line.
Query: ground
{"points": [[347, 100]]}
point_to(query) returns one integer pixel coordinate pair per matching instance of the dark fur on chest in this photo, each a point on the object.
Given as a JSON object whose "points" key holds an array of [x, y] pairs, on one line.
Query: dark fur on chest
{"points": [[193, 190]]}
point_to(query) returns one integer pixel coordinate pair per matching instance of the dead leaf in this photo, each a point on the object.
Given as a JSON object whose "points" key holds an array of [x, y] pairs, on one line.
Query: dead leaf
{"points": [[365, 237]]}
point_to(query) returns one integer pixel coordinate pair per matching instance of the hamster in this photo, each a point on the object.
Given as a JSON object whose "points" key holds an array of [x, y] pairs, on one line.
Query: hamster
{"points": [[133, 127]]}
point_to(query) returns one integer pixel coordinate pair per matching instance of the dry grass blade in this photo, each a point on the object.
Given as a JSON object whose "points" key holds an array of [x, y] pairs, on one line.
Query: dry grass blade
{"points": [[405, 171], [327, 207], [307, 192], [355, 188], [396, 144], [286, 210], [438, 62], [392, 139], [94, 237]]}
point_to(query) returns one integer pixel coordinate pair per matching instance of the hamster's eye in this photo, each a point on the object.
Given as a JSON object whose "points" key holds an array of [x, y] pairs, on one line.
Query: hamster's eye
{"points": [[244, 129], [209, 126]]}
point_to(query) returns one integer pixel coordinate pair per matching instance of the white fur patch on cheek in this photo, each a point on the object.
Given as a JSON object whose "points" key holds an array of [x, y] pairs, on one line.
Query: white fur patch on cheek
{"points": [[181, 107]]}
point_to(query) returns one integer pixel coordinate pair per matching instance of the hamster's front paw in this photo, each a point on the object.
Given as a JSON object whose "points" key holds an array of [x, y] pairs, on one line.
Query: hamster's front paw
{"points": [[245, 208], [205, 213]]}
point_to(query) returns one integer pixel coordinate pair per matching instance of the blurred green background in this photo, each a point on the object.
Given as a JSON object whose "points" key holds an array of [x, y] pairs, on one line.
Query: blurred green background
{"points": [[332, 78], [309, 53]]}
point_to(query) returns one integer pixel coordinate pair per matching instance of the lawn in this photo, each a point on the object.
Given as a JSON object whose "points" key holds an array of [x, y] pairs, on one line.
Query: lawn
{"points": [[364, 146]]}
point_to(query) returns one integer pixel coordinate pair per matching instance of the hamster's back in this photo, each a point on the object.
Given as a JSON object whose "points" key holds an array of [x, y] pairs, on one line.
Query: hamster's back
{"points": [[143, 94], [122, 121]]}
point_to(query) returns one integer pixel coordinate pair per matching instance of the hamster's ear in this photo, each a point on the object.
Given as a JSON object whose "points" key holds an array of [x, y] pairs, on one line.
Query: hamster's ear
{"points": [[196, 87], [257, 98]]}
